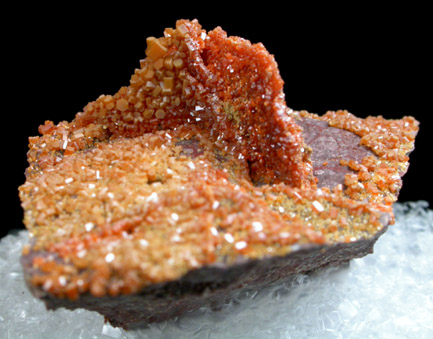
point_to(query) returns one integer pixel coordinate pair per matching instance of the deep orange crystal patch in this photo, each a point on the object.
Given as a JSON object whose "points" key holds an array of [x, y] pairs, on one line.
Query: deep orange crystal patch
{"points": [[224, 84]]}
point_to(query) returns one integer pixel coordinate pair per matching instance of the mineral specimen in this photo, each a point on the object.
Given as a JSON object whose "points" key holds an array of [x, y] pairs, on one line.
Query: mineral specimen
{"points": [[196, 182]]}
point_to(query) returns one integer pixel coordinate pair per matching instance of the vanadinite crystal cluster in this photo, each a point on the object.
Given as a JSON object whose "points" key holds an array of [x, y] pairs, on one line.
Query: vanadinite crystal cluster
{"points": [[199, 162]]}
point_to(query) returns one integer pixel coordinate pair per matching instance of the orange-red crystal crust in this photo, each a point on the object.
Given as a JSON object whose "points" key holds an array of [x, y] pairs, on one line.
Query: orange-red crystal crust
{"points": [[224, 84], [377, 179], [121, 201], [137, 211]]}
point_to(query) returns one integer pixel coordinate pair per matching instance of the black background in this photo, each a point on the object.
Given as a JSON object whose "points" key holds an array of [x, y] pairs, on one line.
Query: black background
{"points": [[367, 60]]}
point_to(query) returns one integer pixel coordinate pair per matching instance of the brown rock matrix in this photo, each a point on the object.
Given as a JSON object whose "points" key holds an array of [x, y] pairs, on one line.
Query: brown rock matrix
{"points": [[174, 192]]}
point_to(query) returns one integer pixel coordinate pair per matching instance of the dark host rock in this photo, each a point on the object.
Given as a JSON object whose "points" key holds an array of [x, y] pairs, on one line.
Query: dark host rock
{"points": [[330, 145]]}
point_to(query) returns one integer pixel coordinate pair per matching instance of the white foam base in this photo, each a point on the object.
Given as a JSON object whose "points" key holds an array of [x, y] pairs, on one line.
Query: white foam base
{"points": [[388, 294]]}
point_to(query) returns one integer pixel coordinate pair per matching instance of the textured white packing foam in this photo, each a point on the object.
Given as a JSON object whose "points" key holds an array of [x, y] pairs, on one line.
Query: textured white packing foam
{"points": [[388, 294]]}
